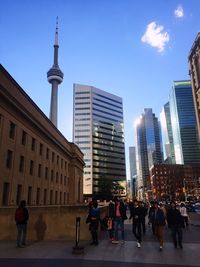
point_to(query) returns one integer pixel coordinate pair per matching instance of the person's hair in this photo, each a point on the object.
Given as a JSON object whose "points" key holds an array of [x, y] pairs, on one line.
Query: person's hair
{"points": [[156, 203], [182, 204], [95, 204], [22, 203], [173, 202]]}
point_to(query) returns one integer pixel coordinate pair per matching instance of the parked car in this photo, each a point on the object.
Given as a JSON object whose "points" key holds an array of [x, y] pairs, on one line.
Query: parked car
{"points": [[197, 208]]}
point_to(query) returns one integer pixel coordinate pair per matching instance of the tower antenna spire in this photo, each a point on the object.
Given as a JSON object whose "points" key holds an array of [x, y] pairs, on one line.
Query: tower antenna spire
{"points": [[55, 77]]}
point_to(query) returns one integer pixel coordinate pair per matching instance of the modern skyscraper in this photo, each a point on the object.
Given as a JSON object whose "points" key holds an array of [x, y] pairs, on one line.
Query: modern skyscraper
{"points": [[184, 124], [148, 148], [194, 65], [133, 169], [98, 130], [167, 137], [55, 77]]}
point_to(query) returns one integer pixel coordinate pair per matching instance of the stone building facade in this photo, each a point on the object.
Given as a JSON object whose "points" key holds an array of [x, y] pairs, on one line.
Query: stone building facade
{"points": [[37, 163], [194, 69]]}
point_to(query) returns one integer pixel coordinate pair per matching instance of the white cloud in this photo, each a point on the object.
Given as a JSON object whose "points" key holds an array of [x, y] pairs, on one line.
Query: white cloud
{"points": [[178, 12], [155, 36]]}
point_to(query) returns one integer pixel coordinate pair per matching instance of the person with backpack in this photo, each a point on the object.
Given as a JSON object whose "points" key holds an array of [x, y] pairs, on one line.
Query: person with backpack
{"points": [[21, 219]]}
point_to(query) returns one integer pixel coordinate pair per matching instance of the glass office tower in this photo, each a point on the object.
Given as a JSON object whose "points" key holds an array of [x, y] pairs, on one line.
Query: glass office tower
{"points": [[184, 124], [98, 129], [167, 136], [133, 169], [149, 147]]}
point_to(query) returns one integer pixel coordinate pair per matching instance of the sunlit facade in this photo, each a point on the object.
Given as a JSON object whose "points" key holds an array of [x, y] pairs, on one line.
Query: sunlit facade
{"points": [[149, 147], [99, 132], [184, 124], [167, 136]]}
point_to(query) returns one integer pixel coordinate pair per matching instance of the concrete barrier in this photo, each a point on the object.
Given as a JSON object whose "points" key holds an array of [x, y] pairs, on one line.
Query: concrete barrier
{"points": [[48, 222]]}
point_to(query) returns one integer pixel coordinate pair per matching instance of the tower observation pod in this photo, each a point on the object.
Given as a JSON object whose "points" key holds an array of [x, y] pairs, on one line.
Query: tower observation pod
{"points": [[55, 77]]}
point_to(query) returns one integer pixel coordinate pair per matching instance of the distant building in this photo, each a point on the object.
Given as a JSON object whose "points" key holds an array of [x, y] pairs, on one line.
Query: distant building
{"points": [[194, 66], [184, 124], [175, 181], [149, 148], [133, 170], [167, 136], [98, 129], [37, 163]]}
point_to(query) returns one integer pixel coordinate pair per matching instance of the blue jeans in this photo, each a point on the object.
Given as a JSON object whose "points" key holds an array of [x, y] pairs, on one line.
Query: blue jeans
{"points": [[21, 234], [119, 222]]}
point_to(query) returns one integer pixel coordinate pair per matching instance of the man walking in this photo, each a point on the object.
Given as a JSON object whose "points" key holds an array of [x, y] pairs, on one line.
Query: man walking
{"points": [[120, 216], [174, 220], [137, 215], [158, 220], [21, 219]]}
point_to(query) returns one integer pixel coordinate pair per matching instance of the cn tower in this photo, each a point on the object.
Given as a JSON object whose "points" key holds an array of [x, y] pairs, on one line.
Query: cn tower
{"points": [[55, 77]]}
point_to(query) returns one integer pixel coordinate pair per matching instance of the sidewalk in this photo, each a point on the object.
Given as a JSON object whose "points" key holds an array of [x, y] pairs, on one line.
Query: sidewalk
{"points": [[106, 254]]}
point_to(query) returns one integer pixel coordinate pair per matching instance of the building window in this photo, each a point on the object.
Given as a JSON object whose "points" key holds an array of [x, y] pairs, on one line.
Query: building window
{"points": [[46, 173], [41, 149], [60, 198], [19, 194], [56, 177], [31, 167], [61, 163], [45, 196], [33, 144], [53, 155], [29, 195], [57, 160], [47, 154], [51, 197], [65, 180], [64, 197], [38, 196], [6, 188], [12, 130], [56, 197], [21, 164], [65, 165], [61, 179], [52, 175], [39, 170], [9, 159], [24, 136]]}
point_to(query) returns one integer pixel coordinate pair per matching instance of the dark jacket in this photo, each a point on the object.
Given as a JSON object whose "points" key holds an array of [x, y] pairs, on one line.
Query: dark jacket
{"points": [[25, 216], [174, 218], [111, 210], [158, 217], [137, 214]]}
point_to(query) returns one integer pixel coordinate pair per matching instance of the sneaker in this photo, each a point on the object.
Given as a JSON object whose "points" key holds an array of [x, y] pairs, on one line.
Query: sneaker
{"points": [[115, 241], [138, 245], [161, 248]]}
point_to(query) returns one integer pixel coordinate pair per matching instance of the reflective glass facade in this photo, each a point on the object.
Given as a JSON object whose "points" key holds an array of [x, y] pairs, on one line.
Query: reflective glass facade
{"points": [[184, 124], [167, 136], [101, 139], [148, 146]]}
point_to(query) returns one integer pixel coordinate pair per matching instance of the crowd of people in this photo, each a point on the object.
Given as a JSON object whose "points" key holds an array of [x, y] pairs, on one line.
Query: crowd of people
{"points": [[156, 214]]}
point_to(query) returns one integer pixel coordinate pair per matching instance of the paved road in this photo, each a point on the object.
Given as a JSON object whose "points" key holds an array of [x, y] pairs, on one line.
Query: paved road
{"points": [[59, 253]]}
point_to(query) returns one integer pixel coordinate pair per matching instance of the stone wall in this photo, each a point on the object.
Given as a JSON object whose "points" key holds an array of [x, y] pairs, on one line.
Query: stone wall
{"points": [[48, 222]]}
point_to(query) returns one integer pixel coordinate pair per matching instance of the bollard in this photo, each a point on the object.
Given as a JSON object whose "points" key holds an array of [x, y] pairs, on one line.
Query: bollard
{"points": [[77, 249]]}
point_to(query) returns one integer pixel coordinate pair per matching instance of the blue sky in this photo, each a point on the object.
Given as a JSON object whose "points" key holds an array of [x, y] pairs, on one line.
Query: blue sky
{"points": [[134, 49]]}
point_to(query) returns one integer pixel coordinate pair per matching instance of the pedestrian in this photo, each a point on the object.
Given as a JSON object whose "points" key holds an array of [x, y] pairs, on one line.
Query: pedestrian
{"points": [[184, 215], [111, 216], [144, 211], [119, 217], [158, 220], [174, 221], [94, 218], [21, 219], [151, 217], [137, 217]]}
